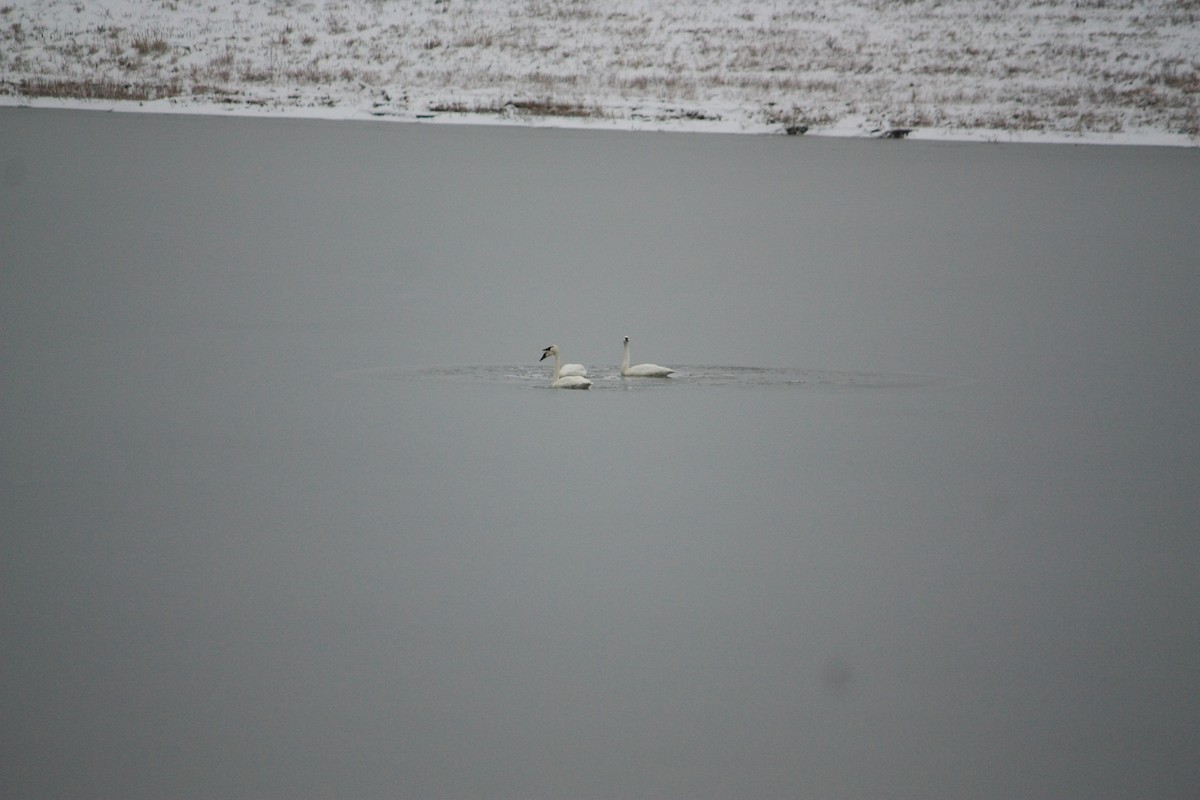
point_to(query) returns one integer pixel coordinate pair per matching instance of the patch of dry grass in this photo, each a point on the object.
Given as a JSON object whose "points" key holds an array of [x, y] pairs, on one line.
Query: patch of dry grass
{"points": [[541, 107], [150, 43], [101, 89]]}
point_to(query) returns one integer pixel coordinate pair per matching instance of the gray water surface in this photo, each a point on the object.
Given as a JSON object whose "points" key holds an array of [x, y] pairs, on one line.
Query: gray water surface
{"points": [[288, 509]]}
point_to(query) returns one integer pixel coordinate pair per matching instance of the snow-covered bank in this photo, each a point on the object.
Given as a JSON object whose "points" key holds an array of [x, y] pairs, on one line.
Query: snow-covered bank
{"points": [[1119, 71]]}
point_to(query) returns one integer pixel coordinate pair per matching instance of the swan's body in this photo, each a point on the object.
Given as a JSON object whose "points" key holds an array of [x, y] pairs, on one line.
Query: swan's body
{"points": [[573, 369], [560, 381], [642, 370]]}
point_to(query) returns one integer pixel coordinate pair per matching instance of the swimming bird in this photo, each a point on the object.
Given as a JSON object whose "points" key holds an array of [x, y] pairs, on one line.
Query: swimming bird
{"points": [[642, 370], [558, 380]]}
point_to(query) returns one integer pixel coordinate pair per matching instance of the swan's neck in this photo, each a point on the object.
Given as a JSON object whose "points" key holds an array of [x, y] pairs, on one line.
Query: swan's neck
{"points": [[557, 368], [625, 361]]}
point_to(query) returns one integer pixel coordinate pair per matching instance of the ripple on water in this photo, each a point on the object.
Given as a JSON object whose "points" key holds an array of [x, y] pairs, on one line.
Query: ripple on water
{"points": [[538, 377]]}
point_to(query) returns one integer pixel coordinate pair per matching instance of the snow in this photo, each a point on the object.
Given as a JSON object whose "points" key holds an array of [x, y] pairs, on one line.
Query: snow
{"points": [[1111, 71]]}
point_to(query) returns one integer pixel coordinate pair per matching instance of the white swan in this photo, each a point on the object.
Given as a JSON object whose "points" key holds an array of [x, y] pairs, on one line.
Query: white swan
{"points": [[642, 370], [558, 380], [573, 369]]}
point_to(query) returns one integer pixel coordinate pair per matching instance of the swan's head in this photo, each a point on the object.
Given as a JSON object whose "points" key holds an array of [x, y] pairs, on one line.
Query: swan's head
{"points": [[552, 350], [626, 340]]}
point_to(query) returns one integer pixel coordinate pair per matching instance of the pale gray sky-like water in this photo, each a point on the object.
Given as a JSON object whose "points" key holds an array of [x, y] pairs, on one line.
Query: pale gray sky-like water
{"points": [[287, 509]]}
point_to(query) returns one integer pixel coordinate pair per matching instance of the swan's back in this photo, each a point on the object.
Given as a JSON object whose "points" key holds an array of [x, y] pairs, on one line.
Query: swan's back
{"points": [[573, 369], [571, 382], [647, 371]]}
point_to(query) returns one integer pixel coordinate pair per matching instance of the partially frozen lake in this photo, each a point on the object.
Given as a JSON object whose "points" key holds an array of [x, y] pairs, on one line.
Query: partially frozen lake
{"points": [[288, 509]]}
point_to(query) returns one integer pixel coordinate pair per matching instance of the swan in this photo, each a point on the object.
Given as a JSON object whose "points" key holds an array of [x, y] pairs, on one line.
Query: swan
{"points": [[642, 370], [558, 380], [573, 369]]}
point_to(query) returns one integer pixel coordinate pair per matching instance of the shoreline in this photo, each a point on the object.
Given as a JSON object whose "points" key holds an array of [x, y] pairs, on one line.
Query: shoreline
{"points": [[853, 129]]}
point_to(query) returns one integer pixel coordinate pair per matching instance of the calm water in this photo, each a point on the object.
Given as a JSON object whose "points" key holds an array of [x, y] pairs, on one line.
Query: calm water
{"points": [[288, 510]]}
